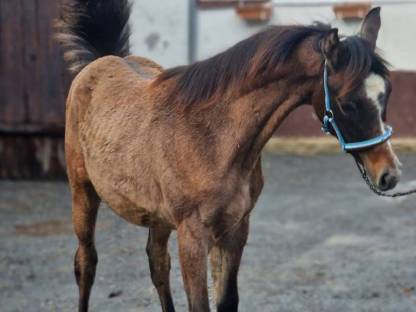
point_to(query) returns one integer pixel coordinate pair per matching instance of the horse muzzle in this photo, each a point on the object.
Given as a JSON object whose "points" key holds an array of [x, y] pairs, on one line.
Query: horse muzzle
{"points": [[382, 165], [388, 180]]}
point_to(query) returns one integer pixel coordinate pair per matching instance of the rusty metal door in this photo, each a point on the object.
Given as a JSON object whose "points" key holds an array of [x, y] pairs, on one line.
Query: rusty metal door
{"points": [[33, 86]]}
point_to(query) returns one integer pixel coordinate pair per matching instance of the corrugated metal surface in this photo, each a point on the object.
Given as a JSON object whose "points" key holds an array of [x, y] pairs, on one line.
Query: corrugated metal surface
{"points": [[32, 157], [33, 86]]}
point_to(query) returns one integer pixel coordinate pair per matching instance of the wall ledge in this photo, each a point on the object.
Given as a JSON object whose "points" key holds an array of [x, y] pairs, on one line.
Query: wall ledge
{"points": [[310, 146]]}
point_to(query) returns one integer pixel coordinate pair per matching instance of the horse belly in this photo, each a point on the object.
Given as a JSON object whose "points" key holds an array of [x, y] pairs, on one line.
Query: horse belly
{"points": [[127, 202], [125, 185], [134, 214]]}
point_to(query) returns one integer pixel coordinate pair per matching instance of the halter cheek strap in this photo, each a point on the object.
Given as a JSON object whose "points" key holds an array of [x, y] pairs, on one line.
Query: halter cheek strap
{"points": [[329, 121]]}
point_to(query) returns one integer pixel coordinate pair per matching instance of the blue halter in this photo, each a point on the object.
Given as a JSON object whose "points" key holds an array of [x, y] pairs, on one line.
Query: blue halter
{"points": [[329, 121]]}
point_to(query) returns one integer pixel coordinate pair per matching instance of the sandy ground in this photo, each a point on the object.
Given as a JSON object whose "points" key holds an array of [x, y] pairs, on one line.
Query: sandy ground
{"points": [[319, 241]]}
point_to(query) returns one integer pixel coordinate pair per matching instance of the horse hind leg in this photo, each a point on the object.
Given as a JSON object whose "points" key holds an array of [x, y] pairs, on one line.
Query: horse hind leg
{"points": [[159, 262], [85, 203]]}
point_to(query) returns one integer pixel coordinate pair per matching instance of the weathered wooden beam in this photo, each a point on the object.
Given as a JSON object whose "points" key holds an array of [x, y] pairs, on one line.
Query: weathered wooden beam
{"points": [[32, 130], [32, 157]]}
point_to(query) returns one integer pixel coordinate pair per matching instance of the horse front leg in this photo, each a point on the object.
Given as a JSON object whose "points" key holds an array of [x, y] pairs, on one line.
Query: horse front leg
{"points": [[159, 261], [193, 251], [225, 258]]}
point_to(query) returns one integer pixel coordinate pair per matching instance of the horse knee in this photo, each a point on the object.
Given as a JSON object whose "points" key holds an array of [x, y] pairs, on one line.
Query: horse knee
{"points": [[159, 262], [157, 252]]}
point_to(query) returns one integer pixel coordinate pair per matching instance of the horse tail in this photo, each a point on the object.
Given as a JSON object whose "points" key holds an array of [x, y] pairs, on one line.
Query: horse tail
{"points": [[90, 29]]}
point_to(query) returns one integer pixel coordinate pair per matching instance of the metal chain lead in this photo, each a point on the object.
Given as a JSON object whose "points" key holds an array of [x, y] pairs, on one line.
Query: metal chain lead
{"points": [[375, 189]]}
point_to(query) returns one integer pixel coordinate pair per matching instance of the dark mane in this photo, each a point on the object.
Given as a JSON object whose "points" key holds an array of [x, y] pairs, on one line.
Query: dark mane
{"points": [[260, 56], [252, 57]]}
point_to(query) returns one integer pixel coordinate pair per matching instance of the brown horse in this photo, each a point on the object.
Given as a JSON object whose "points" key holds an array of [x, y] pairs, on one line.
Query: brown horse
{"points": [[180, 148]]}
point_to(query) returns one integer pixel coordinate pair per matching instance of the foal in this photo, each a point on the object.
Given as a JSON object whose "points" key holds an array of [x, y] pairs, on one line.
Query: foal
{"points": [[180, 149]]}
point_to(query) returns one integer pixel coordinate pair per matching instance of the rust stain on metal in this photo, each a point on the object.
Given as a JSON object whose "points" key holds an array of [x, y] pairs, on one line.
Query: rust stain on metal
{"points": [[33, 88]]}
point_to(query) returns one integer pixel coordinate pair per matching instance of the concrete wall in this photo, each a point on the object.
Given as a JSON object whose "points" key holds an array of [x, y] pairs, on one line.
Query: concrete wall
{"points": [[160, 30], [220, 28]]}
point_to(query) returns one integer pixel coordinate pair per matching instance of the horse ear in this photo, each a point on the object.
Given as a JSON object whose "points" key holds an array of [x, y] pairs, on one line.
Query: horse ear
{"points": [[329, 45], [371, 26]]}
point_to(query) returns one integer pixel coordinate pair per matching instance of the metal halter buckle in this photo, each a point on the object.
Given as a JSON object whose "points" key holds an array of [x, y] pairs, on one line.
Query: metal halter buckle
{"points": [[329, 115]]}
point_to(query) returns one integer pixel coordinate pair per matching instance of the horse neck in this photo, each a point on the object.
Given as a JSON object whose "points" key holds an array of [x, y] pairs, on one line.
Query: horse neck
{"points": [[256, 115], [238, 123]]}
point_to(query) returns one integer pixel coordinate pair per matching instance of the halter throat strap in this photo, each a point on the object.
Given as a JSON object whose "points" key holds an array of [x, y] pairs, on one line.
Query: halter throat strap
{"points": [[329, 122]]}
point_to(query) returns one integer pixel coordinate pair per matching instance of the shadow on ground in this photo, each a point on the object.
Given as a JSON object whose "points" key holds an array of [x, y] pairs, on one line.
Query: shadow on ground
{"points": [[319, 241]]}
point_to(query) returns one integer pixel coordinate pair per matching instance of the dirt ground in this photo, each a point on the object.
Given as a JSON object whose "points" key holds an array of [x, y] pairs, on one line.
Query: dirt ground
{"points": [[319, 241]]}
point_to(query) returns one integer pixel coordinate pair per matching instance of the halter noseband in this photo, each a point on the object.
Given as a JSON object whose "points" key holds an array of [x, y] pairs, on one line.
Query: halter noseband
{"points": [[329, 121]]}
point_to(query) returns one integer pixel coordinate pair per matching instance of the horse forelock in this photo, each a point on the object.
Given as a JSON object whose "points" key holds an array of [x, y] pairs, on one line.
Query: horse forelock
{"points": [[356, 61]]}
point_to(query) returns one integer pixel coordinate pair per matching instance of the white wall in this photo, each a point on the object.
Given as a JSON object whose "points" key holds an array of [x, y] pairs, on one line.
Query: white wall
{"points": [[219, 29], [160, 30]]}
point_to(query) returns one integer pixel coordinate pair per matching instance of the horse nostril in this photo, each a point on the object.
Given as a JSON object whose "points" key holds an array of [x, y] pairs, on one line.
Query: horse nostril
{"points": [[387, 181]]}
